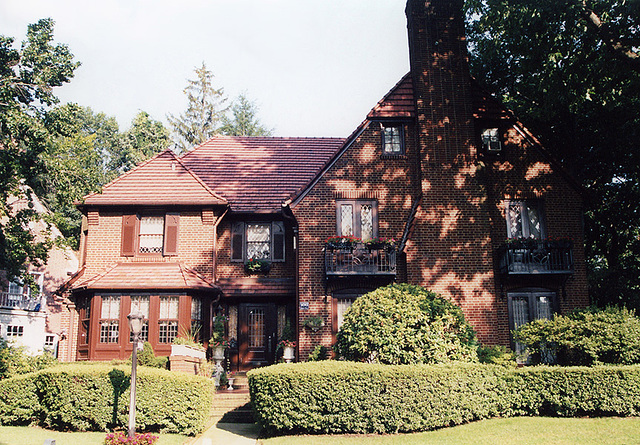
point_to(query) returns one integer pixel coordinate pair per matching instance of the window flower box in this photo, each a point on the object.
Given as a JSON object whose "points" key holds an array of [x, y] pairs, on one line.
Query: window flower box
{"points": [[341, 243], [255, 266]]}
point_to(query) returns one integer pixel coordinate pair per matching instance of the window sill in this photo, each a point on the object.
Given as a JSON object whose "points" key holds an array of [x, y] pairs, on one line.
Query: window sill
{"points": [[393, 156]]}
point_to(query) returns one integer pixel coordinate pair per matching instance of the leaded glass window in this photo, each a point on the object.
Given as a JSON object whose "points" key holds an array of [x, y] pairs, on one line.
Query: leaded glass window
{"points": [[524, 220], [141, 303], [357, 218], [151, 234], [346, 224], [110, 319], [168, 319]]}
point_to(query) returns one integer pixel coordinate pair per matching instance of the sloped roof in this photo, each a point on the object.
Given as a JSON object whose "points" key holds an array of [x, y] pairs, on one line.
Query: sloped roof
{"points": [[397, 103], [161, 180], [257, 174], [153, 275]]}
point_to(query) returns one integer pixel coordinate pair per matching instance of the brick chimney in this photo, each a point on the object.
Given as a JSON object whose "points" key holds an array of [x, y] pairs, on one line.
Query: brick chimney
{"points": [[441, 79]]}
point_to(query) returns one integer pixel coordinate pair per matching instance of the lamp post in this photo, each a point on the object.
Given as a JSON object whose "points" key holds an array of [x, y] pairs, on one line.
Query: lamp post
{"points": [[135, 325]]}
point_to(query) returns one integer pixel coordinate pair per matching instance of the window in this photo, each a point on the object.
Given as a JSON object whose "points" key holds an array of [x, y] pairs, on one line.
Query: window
{"points": [[141, 303], [110, 319], [529, 305], [259, 240], [491, 140], [17, 289], [357, 218], [150, 234], [49, 341], [393, 140], [524, 220], [196, 318], [168, 319], [15, 330]]}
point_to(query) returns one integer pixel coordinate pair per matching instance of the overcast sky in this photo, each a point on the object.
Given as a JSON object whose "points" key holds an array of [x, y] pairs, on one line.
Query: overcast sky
{"points": [[315, 68]]}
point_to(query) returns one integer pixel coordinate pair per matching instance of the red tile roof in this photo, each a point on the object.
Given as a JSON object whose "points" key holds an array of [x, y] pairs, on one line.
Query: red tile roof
{"points": [[160, 275], [256, 286], [161, 180], [396, 103], [257, 174]]}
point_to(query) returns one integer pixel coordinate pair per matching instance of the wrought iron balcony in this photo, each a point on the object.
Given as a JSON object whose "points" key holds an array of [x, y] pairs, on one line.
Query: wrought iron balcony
{"points": [[523, 257], [360, 260], [20, 301]]}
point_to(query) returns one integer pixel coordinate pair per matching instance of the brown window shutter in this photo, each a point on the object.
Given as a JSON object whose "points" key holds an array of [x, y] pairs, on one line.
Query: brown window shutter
{"points": [[278, 241], [237, 241], [129, 233], [171, 222]]}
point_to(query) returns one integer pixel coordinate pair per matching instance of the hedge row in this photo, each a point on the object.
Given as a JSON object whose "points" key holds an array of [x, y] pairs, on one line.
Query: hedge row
{"points": [[96, 398], [345, 397]]}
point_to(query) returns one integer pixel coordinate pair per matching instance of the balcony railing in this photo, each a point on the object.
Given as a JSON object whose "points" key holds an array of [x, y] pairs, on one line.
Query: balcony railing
{"points": [[360, 261], [536, 257], [20, 301]]}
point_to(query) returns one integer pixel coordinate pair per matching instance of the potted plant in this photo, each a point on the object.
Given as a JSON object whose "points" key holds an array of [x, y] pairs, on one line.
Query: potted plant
{"points": [[341, 243], [230, 379], [287, 343], [288, 348], [257, 265], [186, 343], [314, 323], [380, 243]]}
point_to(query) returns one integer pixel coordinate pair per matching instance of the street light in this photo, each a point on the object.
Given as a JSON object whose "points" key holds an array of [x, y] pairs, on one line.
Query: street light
{"points": [[136, 319]]}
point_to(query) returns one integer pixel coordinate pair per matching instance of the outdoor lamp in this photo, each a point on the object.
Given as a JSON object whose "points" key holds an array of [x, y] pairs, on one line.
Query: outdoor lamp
{"points": [[136, 319]]}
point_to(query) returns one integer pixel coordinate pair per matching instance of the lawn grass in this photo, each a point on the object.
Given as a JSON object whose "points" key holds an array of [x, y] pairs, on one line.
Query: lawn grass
{"points": [[23, 435], [508, 431]]}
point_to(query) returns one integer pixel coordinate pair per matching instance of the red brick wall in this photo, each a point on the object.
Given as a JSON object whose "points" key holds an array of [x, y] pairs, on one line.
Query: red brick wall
{"points": [[195, 243]]}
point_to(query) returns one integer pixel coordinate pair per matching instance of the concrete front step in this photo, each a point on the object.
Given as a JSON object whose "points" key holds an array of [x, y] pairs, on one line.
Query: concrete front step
{"points": [[233, 406]]}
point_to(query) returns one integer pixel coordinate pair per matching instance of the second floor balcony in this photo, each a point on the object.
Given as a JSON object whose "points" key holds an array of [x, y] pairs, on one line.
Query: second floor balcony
{"points": [[535, 256], [20, 301], [360, 260]]}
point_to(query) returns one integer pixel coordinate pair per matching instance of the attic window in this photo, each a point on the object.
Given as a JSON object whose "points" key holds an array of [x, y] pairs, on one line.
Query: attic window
{"points": [[393, 140], [491, 140]]}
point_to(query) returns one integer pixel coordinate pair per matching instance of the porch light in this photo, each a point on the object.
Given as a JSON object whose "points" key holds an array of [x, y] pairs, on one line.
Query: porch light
{"points": [[135, 319]]}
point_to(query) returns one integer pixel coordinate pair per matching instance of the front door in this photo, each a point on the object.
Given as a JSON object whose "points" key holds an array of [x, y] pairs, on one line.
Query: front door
{"points": [[256, 335]]}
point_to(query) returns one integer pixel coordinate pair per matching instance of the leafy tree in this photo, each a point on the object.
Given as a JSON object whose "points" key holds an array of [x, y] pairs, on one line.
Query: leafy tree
{"points": [[245, 121], [570, 69], [145, 138], [405, 324], [204, 113], [27, 79]]}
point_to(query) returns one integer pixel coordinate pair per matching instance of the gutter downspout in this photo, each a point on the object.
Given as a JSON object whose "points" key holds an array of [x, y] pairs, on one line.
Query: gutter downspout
{"points": [[215, 244], [288, 214]]}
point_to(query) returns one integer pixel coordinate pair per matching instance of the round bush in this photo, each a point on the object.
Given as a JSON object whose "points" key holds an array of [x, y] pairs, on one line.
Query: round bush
{"points": [[405, 324]]}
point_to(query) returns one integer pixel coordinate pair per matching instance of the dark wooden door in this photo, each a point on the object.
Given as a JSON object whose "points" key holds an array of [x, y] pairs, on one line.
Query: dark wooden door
{"points": [[257, 335]]}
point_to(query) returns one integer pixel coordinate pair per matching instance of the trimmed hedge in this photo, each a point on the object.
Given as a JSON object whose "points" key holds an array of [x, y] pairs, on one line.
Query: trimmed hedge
{"points": [[348, 397], [96, 398]]}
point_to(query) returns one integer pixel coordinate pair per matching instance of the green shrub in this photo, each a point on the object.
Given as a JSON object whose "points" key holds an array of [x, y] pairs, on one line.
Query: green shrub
{"points": [[19, 402], [96, 398], [496, 355], [146, 357], [347, 397], [320, 352], [585, 337], [14, 360], [403, 324]]}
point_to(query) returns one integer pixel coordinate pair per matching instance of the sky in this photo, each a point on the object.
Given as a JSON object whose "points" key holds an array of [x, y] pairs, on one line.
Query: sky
{"points": [[314, 68]]}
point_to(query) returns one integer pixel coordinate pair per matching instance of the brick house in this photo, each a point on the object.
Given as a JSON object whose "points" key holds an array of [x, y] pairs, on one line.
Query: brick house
{"points": [[480, 211]]}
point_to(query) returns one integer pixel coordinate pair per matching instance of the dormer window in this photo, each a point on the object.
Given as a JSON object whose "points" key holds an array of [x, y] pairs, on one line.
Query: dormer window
{"points": [[393, 140], [491, 140]]}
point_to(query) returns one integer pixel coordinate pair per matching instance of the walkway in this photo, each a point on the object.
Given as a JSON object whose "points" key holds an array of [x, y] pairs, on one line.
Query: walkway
{"points": [[229, 434]]}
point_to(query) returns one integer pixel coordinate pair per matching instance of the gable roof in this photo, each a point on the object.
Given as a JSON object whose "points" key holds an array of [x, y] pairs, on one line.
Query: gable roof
{"points": [[155, 275], [161, 180], [397, 103], [257, 174]]}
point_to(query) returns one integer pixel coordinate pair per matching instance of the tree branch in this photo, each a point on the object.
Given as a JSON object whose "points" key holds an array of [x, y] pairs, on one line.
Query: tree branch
{"points": [[619, 49]]}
